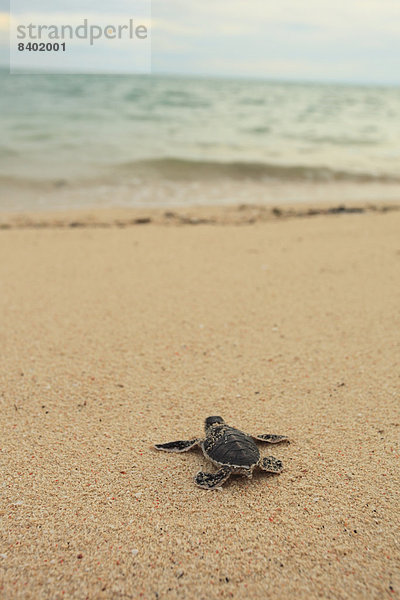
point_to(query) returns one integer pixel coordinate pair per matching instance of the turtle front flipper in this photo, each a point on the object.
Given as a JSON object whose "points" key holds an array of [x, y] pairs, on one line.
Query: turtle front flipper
{"points": [[179, 446], [210, 481], [271, 464], [270, 438]]}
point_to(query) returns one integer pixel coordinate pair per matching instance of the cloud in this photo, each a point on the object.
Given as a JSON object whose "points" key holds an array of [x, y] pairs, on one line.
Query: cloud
{"points": [[353, 40], [317, 39], [258, 15], [4, 27]]}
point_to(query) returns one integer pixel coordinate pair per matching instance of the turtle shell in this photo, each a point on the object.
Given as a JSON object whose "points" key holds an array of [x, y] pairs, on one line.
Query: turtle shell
{"points": [[228, 446]]}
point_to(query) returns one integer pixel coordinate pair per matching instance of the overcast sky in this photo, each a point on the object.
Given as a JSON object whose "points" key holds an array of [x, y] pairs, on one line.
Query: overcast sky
{"points": [[319, 40]]}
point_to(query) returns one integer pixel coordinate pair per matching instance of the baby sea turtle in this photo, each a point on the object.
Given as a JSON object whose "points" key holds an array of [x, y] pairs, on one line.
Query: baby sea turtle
{"points": [[230, 449]]}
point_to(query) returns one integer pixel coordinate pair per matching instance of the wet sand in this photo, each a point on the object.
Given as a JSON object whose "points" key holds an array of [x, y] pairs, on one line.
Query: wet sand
{"points": [[115, 337]]}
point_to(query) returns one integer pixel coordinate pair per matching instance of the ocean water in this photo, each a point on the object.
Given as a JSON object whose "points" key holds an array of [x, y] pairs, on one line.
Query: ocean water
{"points": [[128, 141]]}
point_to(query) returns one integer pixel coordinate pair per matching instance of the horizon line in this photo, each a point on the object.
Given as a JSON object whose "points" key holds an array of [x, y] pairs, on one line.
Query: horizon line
{"points": [[238, 77]]}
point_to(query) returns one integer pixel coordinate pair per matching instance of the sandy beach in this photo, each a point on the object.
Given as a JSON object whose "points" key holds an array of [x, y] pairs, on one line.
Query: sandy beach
{"points": [[119, 332]]}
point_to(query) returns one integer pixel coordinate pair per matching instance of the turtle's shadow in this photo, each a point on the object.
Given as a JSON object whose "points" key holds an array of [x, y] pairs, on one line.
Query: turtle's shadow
{"points": [[238, 480], [244, 481]]}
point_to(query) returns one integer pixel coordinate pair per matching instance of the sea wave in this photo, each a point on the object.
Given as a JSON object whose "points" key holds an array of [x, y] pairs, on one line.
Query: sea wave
{"points": [[194, 170], [181, 170]]}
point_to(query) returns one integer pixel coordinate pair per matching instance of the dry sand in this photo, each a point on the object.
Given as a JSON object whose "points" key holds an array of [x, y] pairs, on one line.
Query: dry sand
{"points": [[113, 339]]}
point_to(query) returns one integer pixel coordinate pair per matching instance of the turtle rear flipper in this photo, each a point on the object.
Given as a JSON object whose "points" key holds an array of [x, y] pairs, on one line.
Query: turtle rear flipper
{"points": [[270, 438], [178, 446], [210, 481], [271, 464]]}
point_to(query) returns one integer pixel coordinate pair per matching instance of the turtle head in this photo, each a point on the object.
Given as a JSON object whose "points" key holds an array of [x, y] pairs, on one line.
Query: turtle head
{"points": [[210, 421]]}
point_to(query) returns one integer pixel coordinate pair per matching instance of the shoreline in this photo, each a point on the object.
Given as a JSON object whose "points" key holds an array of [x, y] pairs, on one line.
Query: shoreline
{"points": [[243, 214]]}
